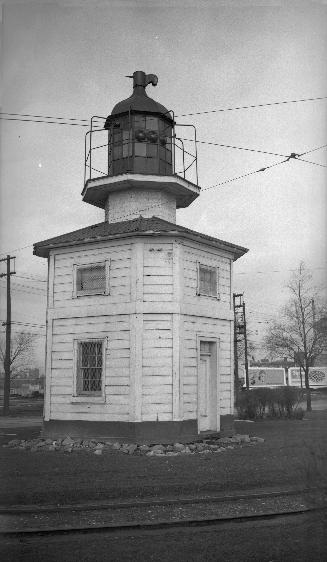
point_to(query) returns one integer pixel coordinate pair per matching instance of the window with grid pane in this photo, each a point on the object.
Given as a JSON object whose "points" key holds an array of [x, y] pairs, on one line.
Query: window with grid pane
{"points": [[91, 279], [208, 281], [90, 367]]}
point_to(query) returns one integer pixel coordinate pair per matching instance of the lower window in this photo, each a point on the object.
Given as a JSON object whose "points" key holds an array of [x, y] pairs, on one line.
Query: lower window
{"points": [[90, 367]]}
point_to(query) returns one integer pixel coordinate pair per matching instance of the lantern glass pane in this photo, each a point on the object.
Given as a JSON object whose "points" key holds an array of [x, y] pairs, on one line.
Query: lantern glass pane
{"points": [[139, 121], [118, 152], [152, 150], [152, 123], [140, 149]]}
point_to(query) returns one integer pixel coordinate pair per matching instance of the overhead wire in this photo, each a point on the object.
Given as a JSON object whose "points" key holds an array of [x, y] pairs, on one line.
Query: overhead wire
{"points": [[251, 106], [25, 289], [273, 271], [33, 325], [313, 149], [42, 121], [43, 116], [236, 147], [314, 163], [245, 175], [70, 120], [31, 278]]}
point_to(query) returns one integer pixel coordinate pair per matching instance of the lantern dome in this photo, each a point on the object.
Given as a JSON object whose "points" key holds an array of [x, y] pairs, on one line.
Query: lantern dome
{"points": [[139, 101]]}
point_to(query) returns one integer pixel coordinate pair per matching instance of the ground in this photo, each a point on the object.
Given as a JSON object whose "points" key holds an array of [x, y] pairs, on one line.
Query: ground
{"points": [[293, 456]]}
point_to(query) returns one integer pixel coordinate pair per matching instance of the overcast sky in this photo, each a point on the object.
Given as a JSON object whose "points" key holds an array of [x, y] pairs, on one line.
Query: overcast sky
{"points": [[70, 58]]}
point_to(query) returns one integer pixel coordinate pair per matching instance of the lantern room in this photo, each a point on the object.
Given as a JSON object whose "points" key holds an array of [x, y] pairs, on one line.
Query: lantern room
{"points": [[140, 133], [138, 158]]}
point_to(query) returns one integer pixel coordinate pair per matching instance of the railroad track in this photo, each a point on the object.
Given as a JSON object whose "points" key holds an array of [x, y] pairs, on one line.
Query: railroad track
{"points": [[159, 513]]}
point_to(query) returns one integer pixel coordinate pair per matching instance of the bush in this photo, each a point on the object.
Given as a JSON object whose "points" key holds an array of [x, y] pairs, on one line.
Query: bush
{"points": [[247, 405], [298, 413], [262, 402]]}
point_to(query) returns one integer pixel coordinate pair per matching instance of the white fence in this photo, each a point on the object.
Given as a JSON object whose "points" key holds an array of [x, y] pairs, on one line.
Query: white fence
{"points": [[271, 377], [266, 377], [317, 377]]}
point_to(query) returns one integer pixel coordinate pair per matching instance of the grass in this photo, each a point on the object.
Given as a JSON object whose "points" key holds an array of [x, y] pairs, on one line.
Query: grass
{"points": [[294, 455]]}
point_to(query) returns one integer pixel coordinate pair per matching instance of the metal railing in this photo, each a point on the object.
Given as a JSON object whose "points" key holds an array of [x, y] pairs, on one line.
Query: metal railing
{"points": [[99, 157]]}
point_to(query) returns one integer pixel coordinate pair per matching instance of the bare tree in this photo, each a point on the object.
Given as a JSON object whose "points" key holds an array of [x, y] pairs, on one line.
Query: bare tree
{"points": [[295, 331], [21, 353]]}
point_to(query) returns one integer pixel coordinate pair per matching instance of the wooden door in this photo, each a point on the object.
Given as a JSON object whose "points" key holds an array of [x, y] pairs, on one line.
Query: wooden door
{"points": [[204, 392]]}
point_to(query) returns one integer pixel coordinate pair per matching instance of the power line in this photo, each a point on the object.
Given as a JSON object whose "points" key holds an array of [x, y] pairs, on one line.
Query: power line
{"points": [[292, 156], [32, 278], [70, 120], [28, 324], [43, 116], [236, 147], [273, 271], [24, 289], [245, 175], [42, 121], [18, 249], [251, 106], [313, 149], [314, 163], [34, 325]]}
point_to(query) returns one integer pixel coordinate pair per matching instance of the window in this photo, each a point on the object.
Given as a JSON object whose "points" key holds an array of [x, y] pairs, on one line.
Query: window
{"points": [[90, 367], [208, 281], [205, 347], [91, 279]]}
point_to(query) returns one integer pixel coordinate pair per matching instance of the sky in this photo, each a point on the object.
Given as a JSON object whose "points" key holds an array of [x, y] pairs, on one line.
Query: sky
{"points": [[70, 59]]}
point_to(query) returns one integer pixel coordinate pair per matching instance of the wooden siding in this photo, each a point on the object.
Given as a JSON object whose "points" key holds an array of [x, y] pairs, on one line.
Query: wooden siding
{"points": [[143, 364], [117, 368], [193, 255], [157, 367], [119, 274], [158, 272], [206, 327]]}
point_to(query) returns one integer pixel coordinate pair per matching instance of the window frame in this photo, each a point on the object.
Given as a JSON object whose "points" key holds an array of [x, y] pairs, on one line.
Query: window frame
{"points": [[199, 291], [96, 396], [90, 292]]}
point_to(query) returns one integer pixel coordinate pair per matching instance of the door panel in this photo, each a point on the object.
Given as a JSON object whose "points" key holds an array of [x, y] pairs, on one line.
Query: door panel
{"points": [[207, 386], [204, 393]]}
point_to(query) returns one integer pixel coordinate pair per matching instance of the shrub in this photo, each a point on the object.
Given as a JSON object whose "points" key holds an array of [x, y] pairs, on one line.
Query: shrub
{"points": [[270, 402], [290, 398], [247, 405], [298, 413]]}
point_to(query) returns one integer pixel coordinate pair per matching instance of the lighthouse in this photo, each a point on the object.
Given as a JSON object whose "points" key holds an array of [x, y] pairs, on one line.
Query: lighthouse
{"points": [[139, 315]]}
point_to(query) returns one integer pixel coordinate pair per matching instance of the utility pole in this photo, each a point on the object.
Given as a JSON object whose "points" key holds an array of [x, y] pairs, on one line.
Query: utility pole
{"points": [[6, 389], [240, 330], [236, 379], [246, 351], [313, 306]]}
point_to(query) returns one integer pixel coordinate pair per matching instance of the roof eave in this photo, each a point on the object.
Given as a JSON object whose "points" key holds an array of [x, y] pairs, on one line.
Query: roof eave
{"points": [[237, 251]]}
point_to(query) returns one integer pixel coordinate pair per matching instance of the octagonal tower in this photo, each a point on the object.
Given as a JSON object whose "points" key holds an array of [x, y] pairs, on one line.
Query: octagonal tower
{"points": [[140, 313]]}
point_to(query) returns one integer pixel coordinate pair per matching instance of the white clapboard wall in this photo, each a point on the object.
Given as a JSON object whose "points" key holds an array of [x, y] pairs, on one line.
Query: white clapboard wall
{"points": [[161, 278]]}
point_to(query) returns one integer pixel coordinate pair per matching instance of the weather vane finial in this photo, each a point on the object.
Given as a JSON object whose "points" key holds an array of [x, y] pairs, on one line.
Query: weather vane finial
{"points": [[142, 79]]}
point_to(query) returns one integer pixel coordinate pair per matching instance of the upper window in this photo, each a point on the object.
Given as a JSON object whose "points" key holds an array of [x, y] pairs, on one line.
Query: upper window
{"points": [[90, 367], [208, 281], [91, 279]]}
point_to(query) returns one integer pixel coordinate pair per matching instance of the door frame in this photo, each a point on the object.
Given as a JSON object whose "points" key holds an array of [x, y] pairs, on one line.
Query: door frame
{"points": [[202, 337]]}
